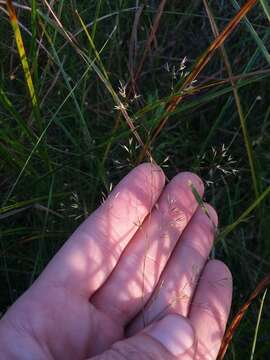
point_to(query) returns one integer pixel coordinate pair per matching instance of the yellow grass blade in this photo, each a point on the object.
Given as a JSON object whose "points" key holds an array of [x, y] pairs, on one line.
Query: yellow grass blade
{"points": [[22, 53]]}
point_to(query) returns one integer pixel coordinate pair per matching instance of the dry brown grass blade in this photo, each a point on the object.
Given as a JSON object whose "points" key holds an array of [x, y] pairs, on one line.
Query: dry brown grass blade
{"points": [[203, 61], [133, 47], [264, 283], [71, 39], [209, 85], [11, 10], [151, 38]]}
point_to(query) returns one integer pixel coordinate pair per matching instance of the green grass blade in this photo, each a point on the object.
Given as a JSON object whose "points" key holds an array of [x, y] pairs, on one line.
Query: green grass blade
{"points": [[254, 34], [257, 326], [10, 108], [39, 264], [86, 130], [266, 8], [92, 44], [42, 135], [98, 10], [248, 145], [248, 67], [238, 103], [103, 76], [244, 215]]}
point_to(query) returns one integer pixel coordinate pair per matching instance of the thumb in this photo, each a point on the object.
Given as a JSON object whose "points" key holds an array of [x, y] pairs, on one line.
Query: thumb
{"points": [[170, 338]]}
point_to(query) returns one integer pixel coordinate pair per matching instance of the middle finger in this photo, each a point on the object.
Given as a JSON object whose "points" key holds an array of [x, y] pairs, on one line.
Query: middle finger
{"points": [[137, 273]]}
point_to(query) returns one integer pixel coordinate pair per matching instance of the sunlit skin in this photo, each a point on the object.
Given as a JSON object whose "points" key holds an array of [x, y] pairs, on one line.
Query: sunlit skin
{"points": [[139, 258]]}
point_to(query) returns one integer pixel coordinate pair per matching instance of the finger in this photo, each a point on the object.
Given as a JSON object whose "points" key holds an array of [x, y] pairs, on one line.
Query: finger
{"points": [[137, 273], [91, 253], [210, 309], [174, 292], [171, 338]]}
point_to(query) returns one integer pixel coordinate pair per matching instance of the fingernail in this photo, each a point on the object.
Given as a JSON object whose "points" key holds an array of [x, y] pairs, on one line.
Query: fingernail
{"points": [[174, 333]]}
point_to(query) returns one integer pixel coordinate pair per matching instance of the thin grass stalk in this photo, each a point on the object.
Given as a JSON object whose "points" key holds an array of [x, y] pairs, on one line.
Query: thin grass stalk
{"points": [[257, 326], [266, 8], [264, 283], [237, 101]]}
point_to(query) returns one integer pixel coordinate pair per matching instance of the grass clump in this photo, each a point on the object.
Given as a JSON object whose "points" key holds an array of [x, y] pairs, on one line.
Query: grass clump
{"points": [[101, 86]]}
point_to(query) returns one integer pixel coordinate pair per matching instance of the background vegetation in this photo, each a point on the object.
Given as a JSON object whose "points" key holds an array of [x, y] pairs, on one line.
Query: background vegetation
{"points": [[68, 104]]}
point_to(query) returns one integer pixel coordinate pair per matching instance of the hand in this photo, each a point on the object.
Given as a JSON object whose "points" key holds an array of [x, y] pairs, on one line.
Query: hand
{"points": [[133, 282]]}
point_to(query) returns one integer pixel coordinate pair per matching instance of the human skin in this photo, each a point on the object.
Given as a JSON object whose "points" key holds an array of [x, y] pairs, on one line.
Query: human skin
{"points": [[134, 281]]}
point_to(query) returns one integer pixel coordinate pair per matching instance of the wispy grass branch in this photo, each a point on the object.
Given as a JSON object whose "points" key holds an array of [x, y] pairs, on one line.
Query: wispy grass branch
{"points": [[242, 117]]}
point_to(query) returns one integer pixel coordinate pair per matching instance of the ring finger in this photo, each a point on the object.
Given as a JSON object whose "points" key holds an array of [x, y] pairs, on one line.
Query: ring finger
{"points": [[177, 284]]}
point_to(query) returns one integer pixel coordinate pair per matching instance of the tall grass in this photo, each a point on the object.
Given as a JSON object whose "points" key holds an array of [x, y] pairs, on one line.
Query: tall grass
{"points": [[88, 91]]}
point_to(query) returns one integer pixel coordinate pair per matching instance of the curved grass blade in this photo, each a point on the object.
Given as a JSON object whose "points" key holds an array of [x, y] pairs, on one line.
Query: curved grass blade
{"points": [[264, 283]]}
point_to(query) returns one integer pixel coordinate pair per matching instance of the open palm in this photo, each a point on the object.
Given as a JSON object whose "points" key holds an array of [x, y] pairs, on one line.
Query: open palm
{"points": [[134, 281]]}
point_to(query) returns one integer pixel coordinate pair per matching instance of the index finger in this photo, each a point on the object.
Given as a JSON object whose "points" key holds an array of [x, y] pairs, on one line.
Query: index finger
{"points": [[91, 253]]}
